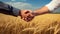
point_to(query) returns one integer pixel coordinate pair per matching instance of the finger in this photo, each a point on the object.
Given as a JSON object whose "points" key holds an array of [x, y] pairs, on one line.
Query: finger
{"points": [[28, 11], [26, 19], [21, 17], [29, 18]]}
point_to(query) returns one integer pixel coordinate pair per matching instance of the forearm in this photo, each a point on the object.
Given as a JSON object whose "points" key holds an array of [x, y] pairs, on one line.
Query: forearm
{"points": [[53, 5], [42, 10]]}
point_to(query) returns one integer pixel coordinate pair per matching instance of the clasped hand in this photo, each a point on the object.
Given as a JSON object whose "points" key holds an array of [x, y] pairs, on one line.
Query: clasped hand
{"points": [[27, 15]]}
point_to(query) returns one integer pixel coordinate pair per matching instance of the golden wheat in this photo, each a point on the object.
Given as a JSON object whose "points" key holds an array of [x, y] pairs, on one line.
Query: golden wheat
{"points": [[43, 24]]}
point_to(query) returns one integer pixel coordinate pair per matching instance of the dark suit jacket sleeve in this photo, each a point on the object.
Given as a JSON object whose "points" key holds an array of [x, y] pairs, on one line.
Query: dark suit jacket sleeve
{"points": [[8, 9]]}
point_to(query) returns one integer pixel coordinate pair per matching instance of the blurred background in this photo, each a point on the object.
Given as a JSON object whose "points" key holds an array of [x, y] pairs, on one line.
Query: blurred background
{"points": [[29, 4]]}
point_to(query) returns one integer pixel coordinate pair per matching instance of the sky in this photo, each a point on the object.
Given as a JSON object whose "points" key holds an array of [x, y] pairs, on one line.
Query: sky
{"points": [[27, 4]]}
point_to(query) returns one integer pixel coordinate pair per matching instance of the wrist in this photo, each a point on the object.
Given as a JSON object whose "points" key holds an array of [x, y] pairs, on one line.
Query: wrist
{"points": [[19, 12], [35, 13]]}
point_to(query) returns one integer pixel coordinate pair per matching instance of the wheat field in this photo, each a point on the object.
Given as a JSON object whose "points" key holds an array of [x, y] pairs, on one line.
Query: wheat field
{"points": [[42, 24]]}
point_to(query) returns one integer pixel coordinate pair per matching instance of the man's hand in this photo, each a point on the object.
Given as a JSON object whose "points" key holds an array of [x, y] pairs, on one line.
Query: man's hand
{"points": [[27, 15]]}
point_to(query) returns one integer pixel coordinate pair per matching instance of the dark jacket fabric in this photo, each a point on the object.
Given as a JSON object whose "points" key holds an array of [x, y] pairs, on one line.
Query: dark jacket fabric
{"points": [[8, 9]]}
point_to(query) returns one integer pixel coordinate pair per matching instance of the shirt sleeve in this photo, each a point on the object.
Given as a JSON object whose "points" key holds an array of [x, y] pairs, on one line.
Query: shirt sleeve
{"points": [[15, 10], [53, 5], [10, 8]]}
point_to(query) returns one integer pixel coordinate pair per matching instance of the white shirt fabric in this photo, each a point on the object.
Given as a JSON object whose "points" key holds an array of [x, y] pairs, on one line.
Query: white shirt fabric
{"points": [[53, 5]]}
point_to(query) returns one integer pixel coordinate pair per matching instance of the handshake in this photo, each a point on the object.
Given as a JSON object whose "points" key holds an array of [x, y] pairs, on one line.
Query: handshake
{"points": [[27, 15]]}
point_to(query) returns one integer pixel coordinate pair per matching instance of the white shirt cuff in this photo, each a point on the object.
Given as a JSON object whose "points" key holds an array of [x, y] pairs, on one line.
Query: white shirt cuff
{"points": [[53, 5]]}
